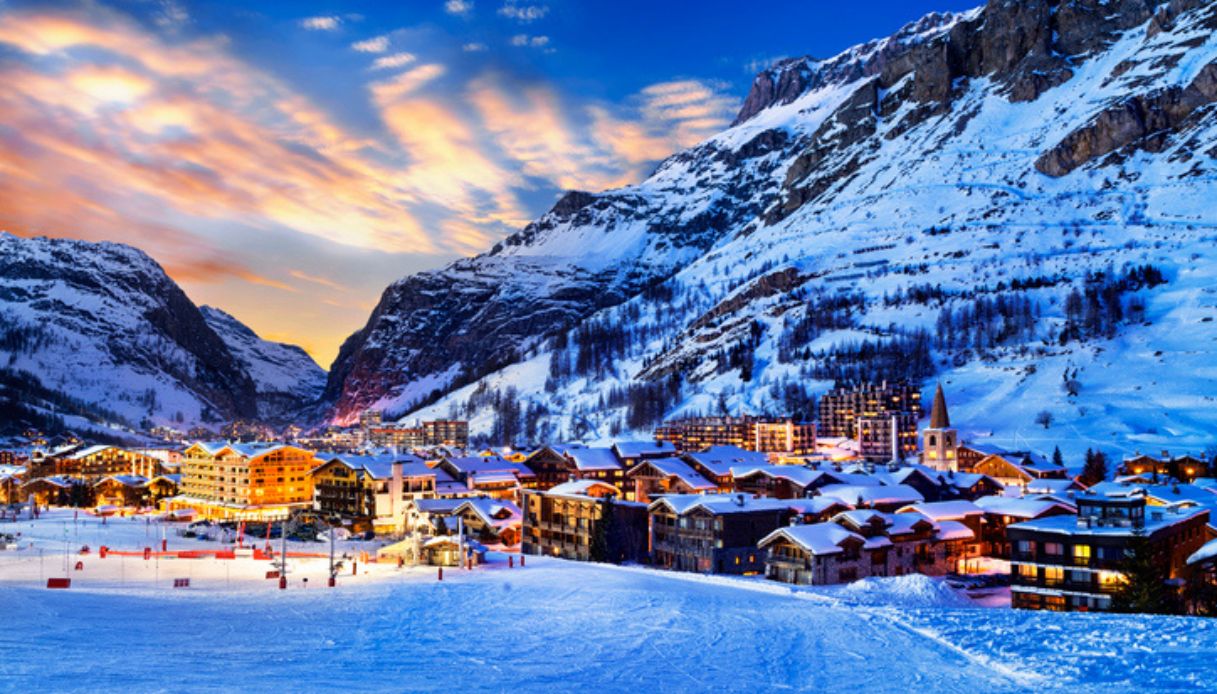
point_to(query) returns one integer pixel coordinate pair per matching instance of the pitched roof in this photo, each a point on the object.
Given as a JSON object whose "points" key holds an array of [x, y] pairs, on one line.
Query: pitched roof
{"points": [[796, 474], [873, 494], [719, 460], [719, 504], [939, 419], [1018, 508], [579, 488], [944, 510], [587, 459], [816, 538], [638, 449], [675, 467]]}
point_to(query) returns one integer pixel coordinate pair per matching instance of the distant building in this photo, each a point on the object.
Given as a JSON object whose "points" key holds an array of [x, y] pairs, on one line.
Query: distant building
{"points": [[1071, 563], [887, 436], [840, 408], [764, 434], [401, 438], [446, 432], [1019, 469], [939, 442], [1184, 468], [370, 419], [96, 462]]}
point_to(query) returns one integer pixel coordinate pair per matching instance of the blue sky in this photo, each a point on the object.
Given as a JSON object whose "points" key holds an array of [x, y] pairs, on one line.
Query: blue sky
{"points": [[287, 160]]}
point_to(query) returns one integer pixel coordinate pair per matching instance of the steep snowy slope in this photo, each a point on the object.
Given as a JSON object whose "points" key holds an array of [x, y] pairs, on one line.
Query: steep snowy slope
{"points": [[100, 332], [1017, 199], [285, 377]]}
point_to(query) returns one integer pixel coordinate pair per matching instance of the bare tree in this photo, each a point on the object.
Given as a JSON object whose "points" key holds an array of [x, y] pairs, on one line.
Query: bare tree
{"points": [[1044, 418]]}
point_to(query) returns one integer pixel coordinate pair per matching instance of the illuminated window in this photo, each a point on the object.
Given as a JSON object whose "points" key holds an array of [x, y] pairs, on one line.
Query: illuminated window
{"points": [[1027, 571], [1053, 575], [1081, 552]]}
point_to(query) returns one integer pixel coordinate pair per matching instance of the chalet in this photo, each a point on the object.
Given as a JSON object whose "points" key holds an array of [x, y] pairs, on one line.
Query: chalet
{"points": [[1018, 469], [659, 476], [717, 463], [960, 511], [11, 479], [968, 455], [1069, 563], [861, 544], [1003, 511], [1183, 468], [57, 491], [969, 485], [490, 475], [781, 481], [550, 467], [96, 462], [599, 464], [713, 533], [490, 520], [133, 491], [566, 520]]}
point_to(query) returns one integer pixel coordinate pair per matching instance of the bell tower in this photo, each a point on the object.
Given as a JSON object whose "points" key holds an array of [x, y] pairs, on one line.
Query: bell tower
{"points": [[939, 442]]}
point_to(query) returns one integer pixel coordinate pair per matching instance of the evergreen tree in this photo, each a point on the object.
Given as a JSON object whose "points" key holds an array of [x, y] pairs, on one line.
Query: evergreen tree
{"points": [[601, 546], [1145, 589], [1057, 459], [1094, 470]]}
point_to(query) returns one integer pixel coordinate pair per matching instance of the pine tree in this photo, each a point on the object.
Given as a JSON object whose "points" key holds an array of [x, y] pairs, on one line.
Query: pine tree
{"points": [[1057, 459], [1144, 589], [1094, 470], [601, 544]]}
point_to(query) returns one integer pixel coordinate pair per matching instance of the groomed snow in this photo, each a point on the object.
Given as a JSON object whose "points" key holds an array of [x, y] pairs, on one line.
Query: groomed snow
{"points": [[559, 626]]}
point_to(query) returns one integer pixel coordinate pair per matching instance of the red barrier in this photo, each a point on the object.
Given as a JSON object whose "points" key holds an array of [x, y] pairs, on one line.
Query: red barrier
{"points": [[101, 552], [147, 553], [441, 573], [283, 583], [59, 583], [164, 545], [272, 574]]}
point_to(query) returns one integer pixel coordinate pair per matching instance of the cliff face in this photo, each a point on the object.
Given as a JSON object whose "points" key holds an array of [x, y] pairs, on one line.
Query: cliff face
{"points": [[1034, 144]]}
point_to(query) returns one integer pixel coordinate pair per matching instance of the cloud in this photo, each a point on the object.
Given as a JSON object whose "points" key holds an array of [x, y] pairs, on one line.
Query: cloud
{"points": [[109, 126], [526, 40], [321, 23], [395, 88], [318, 280], [458, 7], [474, 47], [757, 65], [379, 44], [393, 61], [523, 13]]}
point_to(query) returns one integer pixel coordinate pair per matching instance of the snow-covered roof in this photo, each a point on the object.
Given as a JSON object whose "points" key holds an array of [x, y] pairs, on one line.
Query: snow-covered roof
{"points": [[580, 488], [873, 494], [796, 474], [85, 452], [639, 449], [719, 460], [437, 506], [493, 477], [718, 504], [1018, 508], [816, 538], [125, 480], [589, 459], [1207, 551], [944, 510], [675, 467], [497, 513], [954, 530], [1068, 524], [1051, 486]]}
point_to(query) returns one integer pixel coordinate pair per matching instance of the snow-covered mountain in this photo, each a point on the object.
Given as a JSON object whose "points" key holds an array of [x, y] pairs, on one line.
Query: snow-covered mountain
{"points": [[1017, 200], [285, 377], [99, 335]]}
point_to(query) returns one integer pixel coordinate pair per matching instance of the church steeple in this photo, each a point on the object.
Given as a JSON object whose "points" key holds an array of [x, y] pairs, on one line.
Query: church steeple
{"points": [[939, 419]]}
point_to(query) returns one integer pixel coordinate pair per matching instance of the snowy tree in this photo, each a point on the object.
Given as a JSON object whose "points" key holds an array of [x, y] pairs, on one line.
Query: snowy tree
{"points": [[1044, 418]]}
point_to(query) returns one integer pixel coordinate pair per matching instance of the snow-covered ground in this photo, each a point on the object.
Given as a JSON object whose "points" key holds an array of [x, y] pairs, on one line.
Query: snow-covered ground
{"points": [[553, 625]]}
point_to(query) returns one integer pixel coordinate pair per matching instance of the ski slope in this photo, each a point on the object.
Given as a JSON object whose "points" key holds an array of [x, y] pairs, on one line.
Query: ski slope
{"points": [[563, 626]]}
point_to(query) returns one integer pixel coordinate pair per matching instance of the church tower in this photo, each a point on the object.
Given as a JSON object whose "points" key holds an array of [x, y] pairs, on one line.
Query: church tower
{"points": [[939, 442]]}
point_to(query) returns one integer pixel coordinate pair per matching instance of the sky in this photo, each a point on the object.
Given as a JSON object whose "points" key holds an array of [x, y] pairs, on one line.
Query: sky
{"points": [[286, 161]]}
